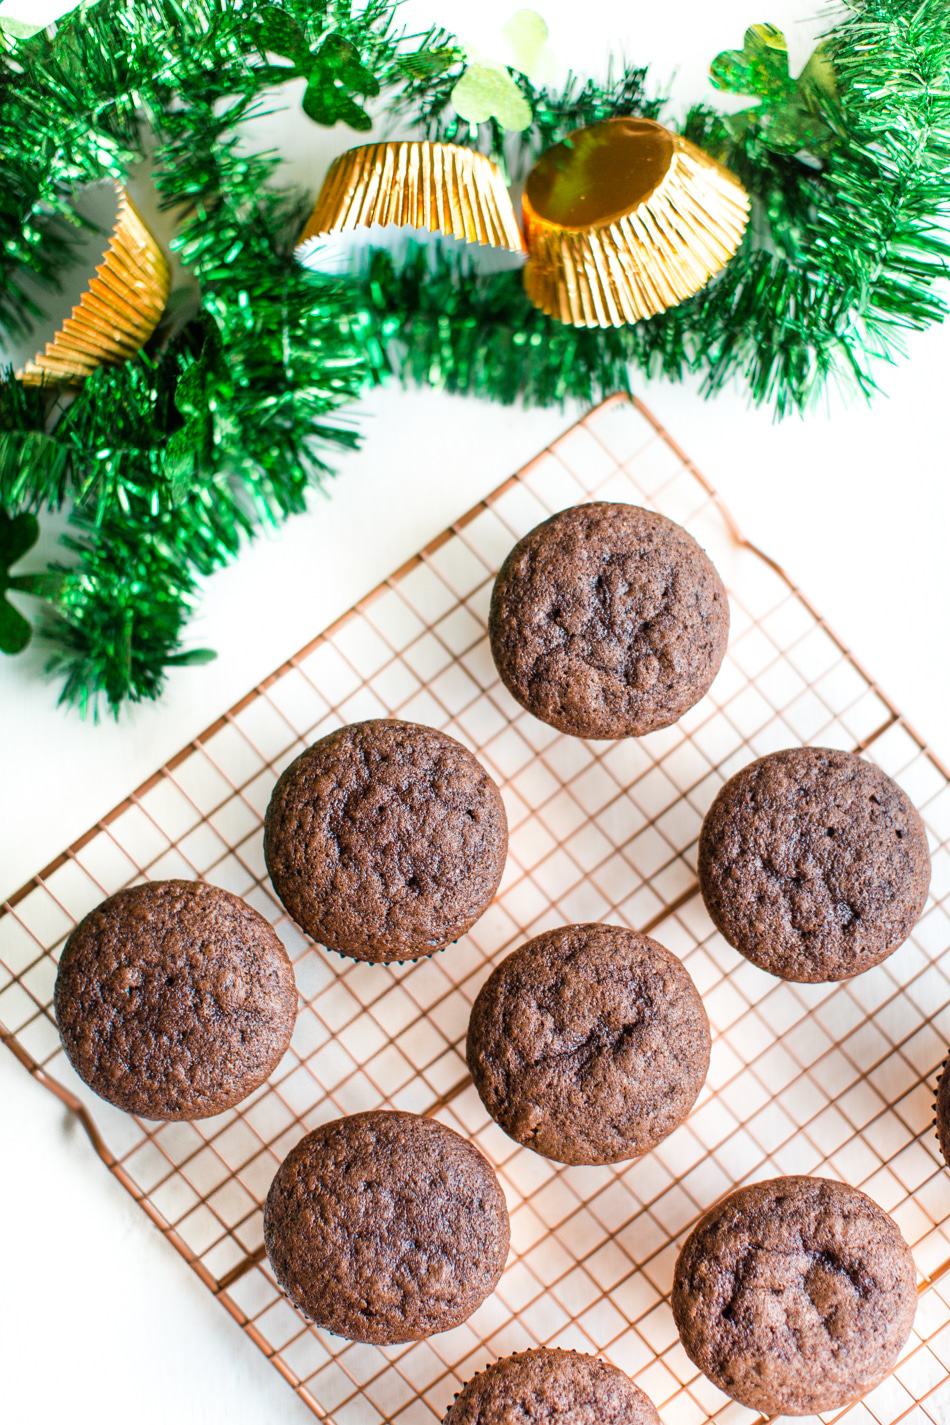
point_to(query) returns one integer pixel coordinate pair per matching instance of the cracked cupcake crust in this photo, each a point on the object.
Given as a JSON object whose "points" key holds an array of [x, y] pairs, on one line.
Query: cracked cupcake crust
{"points": [[386, 840], [174, 1000], [607, 621], [813, 864], [795, 1296], [385, 1227], [551, 1387], [589, 1044]]}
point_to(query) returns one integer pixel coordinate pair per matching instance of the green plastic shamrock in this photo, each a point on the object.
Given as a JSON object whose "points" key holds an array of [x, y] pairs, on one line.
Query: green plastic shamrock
{"points": [[18, 534], [334, 73], [788, 115], [280, 34], [339, 73]]}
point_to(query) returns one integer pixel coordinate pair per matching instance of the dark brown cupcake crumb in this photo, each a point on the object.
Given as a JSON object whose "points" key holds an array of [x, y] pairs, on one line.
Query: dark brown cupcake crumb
{"points": [[608, 621], [795, 1296], [942, 1109], [174, 999], [549, 1387], [386, 840], [386, 1227], [589, 1044], [813, 864]]}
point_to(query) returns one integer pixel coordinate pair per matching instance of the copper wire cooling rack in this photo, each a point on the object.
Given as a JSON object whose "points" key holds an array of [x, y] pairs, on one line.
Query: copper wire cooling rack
{"points": [[836, 1080]]}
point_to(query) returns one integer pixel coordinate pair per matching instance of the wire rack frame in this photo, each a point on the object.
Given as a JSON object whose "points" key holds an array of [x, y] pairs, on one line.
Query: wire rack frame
{"points": [[835, 1080]]}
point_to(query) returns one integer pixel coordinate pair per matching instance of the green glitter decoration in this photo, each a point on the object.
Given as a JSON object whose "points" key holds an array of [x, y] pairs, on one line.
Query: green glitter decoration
{"points": [[334, 73], [788, 117]]}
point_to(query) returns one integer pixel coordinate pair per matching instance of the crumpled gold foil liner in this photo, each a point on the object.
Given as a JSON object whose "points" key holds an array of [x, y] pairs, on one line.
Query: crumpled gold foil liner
{"points": [[117, 312], [436, 187], [625, 220]]}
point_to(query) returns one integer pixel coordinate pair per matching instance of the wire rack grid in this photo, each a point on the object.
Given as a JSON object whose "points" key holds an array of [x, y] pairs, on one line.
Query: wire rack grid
{"points": [[835, 1080]]}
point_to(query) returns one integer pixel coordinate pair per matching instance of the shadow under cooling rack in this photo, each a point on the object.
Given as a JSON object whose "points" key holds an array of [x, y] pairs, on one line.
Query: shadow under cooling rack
{"points": [[833, 1079]]}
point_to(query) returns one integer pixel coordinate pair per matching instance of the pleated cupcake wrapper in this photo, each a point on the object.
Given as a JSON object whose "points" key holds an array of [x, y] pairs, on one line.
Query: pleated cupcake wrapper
{"points": [[430, 186], [117, 313], [358, 960], [647, 261]]}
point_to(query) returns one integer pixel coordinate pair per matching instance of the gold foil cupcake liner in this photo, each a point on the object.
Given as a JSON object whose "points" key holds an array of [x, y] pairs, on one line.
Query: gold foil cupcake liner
{"points": [[434, 187], [118, 311], [630, 255]]}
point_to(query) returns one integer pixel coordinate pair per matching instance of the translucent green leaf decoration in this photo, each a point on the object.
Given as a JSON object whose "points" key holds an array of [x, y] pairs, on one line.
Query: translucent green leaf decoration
{"points": [[487, 91], [18, 534], [789, 113], [527, 35], [427, 65]]}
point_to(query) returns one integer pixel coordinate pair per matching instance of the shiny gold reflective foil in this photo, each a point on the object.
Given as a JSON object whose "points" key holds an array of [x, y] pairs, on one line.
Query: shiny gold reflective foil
{"points": [[624, 220], [117, 312], [433, 186]]}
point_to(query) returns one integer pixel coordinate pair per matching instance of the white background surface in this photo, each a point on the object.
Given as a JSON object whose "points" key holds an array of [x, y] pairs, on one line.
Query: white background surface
{"points": [[99, 1319]]}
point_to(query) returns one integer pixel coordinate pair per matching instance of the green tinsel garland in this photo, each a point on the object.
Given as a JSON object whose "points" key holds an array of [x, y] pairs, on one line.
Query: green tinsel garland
{"points": [[228, 418], [850, 178], [174, 458]]}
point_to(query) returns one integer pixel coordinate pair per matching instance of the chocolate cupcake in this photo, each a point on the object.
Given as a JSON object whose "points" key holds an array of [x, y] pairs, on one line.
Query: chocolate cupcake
{"points": [[589, 1044], [386, 1227], [795, 1296], [813, 864], [942, 1112], [386, 840], [608, 621], [545, 1387], [174, 999]]}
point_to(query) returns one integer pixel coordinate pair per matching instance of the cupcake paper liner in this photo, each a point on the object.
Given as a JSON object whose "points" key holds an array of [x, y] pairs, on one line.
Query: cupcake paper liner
{"points": [[649, 254], [435, 187], [118, 310]]}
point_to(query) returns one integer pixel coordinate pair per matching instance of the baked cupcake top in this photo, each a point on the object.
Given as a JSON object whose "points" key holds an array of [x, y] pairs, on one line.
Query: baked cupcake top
{"points": [[548, 1387], [795, 1296], [608, 621], [386, 840], [589, 1044], [813, 864], [174, 999], [386, 1227]]}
